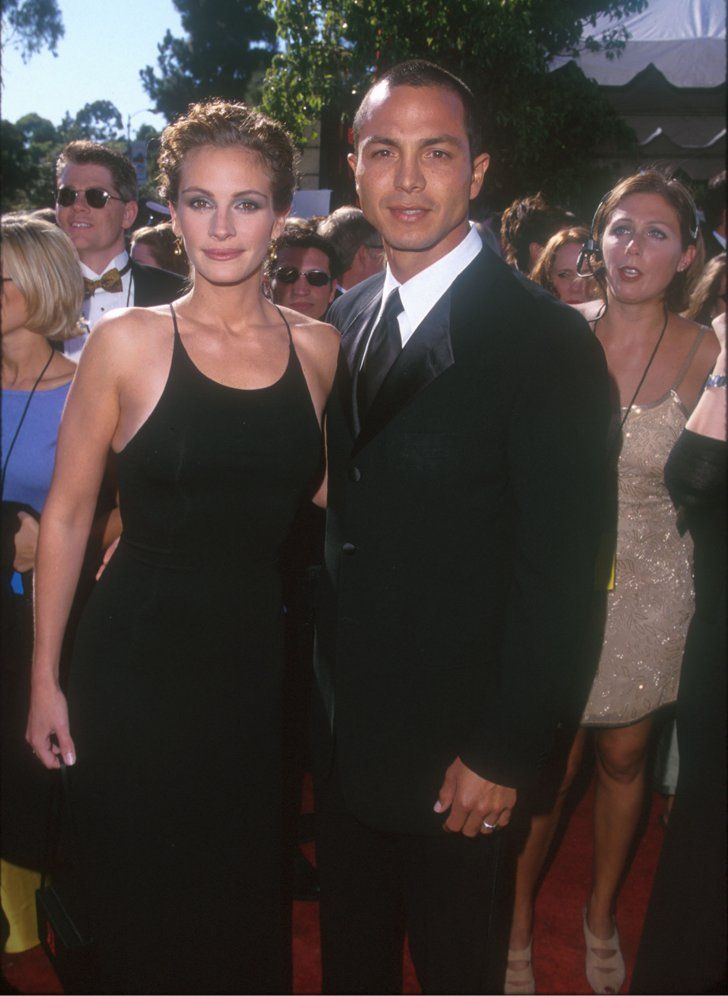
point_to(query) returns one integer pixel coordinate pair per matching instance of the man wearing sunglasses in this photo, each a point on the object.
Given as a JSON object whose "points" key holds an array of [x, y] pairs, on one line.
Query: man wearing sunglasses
{"points": [[303, 270], [96, 206]]}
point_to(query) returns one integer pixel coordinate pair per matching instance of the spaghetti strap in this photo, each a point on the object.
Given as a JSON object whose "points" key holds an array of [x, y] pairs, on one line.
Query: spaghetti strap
{"points": [[689, 358], [285, 322], [174, 320]]}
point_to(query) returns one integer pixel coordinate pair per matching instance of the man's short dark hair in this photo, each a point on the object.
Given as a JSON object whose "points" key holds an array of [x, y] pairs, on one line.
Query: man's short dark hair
{"points": [[420, 73], [122, 172], [347, 229], [715, 200], [302, 236]]}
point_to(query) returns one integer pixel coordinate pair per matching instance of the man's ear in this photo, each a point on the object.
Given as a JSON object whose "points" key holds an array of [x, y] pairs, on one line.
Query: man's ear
{"points": [[352, 159], [534, 252], [131, 210], [480, 168]]}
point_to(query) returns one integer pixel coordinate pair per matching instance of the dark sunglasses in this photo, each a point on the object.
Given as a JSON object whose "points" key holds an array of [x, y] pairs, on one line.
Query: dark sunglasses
{"points": [[96, 197], [290, 274]]}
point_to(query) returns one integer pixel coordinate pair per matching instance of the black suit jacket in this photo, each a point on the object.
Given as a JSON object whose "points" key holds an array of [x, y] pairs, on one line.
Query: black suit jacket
{"points": [[153, 286], [464, 515]]}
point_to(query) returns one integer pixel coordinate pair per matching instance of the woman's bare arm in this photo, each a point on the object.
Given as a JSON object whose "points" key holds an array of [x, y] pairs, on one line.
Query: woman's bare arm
{"points": [[87, 428], [709, 415]]}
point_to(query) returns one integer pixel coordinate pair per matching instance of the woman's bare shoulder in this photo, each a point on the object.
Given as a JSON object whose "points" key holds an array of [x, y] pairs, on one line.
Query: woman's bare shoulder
{"points": [[319, 339], [136, 327], [128, 339]]}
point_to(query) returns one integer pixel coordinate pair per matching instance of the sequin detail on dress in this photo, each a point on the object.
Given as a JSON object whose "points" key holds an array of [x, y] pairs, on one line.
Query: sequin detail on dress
{"points": [[652, 602]]}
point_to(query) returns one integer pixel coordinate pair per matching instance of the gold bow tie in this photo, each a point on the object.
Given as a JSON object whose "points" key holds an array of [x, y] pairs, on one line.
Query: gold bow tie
{"points": [[109, 281]]}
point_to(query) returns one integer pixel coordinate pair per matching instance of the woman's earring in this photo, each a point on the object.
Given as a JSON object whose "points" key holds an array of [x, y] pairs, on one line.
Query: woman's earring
{"points": [[178, 246]]}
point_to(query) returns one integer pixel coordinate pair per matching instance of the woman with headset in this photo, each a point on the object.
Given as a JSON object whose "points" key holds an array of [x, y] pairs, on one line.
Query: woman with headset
{"points": [[643, 250]]}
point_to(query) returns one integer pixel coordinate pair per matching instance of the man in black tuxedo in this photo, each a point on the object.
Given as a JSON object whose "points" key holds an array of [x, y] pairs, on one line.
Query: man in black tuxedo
{"points": [[466, 448], [96, 205]]}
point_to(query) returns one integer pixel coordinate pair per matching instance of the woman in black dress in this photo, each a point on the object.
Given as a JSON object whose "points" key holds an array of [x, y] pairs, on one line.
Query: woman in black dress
{"points": [[173, 723], [683, 947]]}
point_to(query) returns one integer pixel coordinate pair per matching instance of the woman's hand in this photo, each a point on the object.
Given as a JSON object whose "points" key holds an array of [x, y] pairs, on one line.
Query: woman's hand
{"points": [[26, 543], [719, 324], [48, 716]]}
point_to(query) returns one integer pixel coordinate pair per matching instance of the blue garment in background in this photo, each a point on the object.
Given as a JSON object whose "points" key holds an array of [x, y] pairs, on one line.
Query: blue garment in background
{"points": [[30, 468]]}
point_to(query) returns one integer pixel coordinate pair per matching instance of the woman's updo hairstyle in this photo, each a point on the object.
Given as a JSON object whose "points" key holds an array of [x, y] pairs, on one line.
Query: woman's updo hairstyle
{"points": [[229, 124], [654, 181]]}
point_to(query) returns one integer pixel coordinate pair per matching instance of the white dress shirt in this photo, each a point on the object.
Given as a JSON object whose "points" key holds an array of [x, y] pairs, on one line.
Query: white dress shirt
{"points": [[421, 293], [101, 301]]}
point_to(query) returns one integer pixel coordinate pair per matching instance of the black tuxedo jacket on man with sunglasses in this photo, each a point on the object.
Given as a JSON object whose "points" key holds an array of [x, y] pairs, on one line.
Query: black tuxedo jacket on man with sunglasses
{"points": [[464, 515]]}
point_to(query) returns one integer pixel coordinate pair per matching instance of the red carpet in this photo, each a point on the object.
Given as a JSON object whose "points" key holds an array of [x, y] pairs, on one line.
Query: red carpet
{"points": [[558, 944]]}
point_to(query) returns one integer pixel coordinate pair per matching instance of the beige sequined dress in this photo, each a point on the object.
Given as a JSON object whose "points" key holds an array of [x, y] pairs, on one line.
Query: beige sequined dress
{"points": [[652, 602]]}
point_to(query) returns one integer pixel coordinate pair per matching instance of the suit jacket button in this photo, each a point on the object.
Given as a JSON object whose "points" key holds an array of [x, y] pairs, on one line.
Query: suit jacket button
{"points": [[348, 548], [354, 474]]}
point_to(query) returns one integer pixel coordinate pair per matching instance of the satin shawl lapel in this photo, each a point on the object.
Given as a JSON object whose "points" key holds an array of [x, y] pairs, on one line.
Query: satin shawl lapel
{"points": [[353, 342], [427, 354]]}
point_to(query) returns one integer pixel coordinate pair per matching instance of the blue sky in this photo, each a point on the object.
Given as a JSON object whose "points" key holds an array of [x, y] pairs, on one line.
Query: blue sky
{"points": [[99, 58]]}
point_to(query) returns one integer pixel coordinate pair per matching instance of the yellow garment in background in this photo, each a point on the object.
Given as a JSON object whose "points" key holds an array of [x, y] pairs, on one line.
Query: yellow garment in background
{"points": [[17, 893]]}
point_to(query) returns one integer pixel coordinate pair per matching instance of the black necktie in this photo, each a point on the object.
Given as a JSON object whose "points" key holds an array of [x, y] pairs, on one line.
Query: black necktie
{"points": [[385, 346]]}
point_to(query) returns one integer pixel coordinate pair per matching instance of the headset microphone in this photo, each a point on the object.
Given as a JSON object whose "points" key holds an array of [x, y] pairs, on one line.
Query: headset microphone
{"points": [[590, 250]]}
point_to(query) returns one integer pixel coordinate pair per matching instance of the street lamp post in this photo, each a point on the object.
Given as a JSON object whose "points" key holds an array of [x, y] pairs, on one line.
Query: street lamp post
{"points": [[144, 110]]}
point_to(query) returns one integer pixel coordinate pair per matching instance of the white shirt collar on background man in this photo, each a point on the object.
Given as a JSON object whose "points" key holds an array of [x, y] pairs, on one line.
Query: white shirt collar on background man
{"points": [[421, 293], [101, 301]]}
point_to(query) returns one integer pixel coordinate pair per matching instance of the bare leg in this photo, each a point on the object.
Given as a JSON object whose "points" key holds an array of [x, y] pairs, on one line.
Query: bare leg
{"points": [[621, 754], [533, 855]]}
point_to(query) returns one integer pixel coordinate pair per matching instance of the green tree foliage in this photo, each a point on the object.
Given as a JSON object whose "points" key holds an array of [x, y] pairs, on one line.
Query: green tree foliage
{"points": [[227, 47], [31, 25], [100, 121], [542, 127]]}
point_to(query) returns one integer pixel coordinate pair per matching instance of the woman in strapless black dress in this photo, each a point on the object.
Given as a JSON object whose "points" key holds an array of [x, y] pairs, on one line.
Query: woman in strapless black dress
{"points": [[173, 718]]}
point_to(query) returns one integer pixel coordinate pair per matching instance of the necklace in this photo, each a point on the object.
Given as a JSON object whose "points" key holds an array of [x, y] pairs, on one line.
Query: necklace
{"points": [[22, 418], [653, 354]]}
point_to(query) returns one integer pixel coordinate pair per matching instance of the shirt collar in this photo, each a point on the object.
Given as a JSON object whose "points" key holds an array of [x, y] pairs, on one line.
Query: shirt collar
{"points": [[119, 262], [420, 293], [720, 238]]}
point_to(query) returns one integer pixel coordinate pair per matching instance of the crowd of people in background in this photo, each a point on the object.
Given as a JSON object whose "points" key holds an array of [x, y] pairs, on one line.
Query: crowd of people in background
{"points": [[648, 275]]}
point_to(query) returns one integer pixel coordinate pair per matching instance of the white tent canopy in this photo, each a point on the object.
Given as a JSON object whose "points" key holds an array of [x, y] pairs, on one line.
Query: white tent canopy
{"points": [[684, 39]]}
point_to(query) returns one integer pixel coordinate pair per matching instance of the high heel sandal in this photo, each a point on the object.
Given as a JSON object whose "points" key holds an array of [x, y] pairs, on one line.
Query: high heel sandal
{"points": [[520, 981], [605, 972]]}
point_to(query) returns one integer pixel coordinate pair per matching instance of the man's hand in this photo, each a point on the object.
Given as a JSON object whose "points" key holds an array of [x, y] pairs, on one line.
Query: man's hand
{"points": [[473, 801], [26, 543], [107, 557]]}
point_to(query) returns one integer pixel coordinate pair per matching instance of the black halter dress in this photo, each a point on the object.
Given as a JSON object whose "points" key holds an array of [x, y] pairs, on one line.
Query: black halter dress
{"points": [[175, 691]]}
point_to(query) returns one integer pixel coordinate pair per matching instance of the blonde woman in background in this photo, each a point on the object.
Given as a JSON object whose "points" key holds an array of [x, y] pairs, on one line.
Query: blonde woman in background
{"points": [[42, 293]]}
